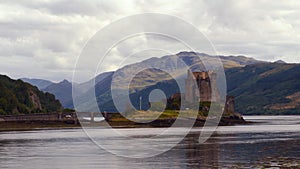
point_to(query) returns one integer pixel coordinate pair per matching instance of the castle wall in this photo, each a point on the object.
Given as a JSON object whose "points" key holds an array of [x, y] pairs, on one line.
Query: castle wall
{"points": [[202, 89], [229, 105], [199, 87]]}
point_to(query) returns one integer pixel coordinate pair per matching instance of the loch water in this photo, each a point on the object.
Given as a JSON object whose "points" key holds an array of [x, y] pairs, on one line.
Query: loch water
{"points": [[270, 142]]}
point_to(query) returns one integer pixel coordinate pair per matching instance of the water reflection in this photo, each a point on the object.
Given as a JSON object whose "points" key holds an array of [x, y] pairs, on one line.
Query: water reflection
{"points": [[244, 146], [201, 155]]}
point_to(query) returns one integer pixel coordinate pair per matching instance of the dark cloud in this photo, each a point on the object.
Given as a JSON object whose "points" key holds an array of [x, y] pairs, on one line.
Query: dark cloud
{"points": [[45, 37]]}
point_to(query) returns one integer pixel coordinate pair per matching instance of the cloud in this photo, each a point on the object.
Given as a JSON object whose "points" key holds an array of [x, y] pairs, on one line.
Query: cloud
{"points": [[41, 38]]}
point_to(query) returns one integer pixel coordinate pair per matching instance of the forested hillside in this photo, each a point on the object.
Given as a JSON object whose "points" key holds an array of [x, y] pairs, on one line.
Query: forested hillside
{"points": [[18, 97]]}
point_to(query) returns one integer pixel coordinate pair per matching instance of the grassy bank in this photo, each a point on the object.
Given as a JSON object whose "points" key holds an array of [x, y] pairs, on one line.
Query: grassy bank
{"points": [[167, 118], [134, 119]]}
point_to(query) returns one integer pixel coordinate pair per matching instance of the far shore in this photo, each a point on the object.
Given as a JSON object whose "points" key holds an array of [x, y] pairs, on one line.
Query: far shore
{"points": [[57, 125], [36, 125]]}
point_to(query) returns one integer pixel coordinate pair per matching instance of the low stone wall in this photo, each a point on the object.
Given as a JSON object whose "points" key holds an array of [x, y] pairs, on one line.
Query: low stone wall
{"points": [[39, 117]]}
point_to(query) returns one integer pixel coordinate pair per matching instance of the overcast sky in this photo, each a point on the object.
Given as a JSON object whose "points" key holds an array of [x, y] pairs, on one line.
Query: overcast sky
{"points": [[42, 39]]}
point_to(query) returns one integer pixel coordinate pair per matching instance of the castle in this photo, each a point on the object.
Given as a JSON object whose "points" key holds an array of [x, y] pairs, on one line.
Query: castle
{"points": [[205, 84]]}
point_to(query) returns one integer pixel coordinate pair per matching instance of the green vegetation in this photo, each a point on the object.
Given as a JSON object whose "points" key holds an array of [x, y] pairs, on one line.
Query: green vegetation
{"points": [[68, 110], [18, 97], [157, 106], [201, 113], [265, 88], [167, 114]]}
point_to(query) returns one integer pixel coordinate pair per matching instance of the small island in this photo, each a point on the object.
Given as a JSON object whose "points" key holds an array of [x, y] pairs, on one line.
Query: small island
{"points": [[165, 113]]}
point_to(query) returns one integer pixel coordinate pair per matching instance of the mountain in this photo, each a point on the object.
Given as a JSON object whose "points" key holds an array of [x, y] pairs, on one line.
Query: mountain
{"points": [[177, 65], [18, 97], [62, 91], [84, 87], [40, 83], [266, 88], [259, 87], [142, 76], [279, 61]]}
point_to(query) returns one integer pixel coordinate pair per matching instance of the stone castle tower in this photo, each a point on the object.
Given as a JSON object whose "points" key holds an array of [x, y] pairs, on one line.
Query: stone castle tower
{"points": [[205, 83]]}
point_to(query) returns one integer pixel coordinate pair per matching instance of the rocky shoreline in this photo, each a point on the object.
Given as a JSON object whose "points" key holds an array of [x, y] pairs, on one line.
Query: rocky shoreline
{"points": [[225, 121], [49, 125]]}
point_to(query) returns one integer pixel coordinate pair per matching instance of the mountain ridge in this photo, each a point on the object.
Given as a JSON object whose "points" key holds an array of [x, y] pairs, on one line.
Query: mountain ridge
{"points": [[18, 97], [237, 70], [39, 83]]}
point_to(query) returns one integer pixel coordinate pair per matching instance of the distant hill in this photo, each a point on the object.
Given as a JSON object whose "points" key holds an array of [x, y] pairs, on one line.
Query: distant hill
{"points": [[267, 88], [18, 97], [259, 87], [177, 65], [40, 83], [173, 63], [151, 79], [279, 61], [84, 87], [62, 91]]}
